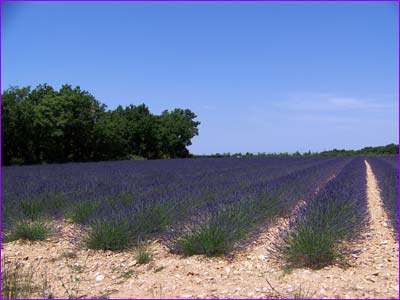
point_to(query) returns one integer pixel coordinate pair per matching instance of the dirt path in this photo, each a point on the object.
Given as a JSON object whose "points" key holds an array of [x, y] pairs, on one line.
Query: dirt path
{"points": [[373, 270]]}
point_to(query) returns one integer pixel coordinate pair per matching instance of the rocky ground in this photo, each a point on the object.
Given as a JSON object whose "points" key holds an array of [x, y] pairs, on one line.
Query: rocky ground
{"points": [[73, 271]]}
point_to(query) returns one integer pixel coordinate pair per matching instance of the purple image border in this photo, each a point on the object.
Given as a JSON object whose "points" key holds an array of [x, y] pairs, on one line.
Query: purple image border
{"points": [[143, 1], [1, 141], [165, 1], [398, 116]]}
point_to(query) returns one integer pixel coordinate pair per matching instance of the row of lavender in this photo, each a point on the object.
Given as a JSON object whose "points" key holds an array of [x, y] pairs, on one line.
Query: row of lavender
{"points": [[386, 172], [124, 201], [65, 186], [338, 213], [222, 225]]}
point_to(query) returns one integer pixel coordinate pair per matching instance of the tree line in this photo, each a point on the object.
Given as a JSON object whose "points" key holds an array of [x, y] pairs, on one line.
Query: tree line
{"points": [[43, 125], [391, 149]]}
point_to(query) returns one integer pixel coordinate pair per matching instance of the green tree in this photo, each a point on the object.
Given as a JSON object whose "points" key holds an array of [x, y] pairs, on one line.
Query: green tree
{"points": [[109, 136], [17, 129], [79, 115], [178, 127], [142, 131], [45, 125]]}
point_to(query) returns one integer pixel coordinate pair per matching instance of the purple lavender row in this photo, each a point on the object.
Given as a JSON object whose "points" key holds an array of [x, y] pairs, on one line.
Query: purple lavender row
{"points": [[220, 226], [131, 176], [140, 198], [73, 185], [338, 213], [386, 172], [150, 216]]}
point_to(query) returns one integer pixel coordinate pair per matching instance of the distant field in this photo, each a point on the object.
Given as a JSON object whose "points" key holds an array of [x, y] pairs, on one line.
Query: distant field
{"points": [[198, 206]]}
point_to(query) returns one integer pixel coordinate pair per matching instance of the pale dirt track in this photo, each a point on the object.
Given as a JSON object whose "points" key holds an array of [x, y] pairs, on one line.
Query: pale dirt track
{"points": [[373, 270]]}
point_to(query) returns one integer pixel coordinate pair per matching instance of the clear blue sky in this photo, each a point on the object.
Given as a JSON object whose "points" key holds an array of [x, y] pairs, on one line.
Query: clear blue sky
{"points": [[260, 76]]}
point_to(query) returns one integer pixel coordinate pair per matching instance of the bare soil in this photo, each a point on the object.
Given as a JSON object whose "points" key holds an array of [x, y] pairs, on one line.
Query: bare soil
{"points": [[72, 270]]}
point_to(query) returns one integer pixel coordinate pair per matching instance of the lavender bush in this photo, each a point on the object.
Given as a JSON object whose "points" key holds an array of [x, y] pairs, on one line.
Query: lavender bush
{"points": [[337, 214]]}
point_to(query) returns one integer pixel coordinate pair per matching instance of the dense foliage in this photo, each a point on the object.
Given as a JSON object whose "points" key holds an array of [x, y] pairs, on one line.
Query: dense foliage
{"points": [[337, 214], [386, 171], [70, 125]]}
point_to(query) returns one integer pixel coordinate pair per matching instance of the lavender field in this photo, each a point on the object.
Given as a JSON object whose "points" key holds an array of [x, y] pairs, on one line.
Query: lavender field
{"points": [[201, 206], [386, 171]]}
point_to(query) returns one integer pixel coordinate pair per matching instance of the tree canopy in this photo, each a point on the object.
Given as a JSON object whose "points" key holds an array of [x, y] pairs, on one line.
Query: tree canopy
{"points": [[69, 125]]}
